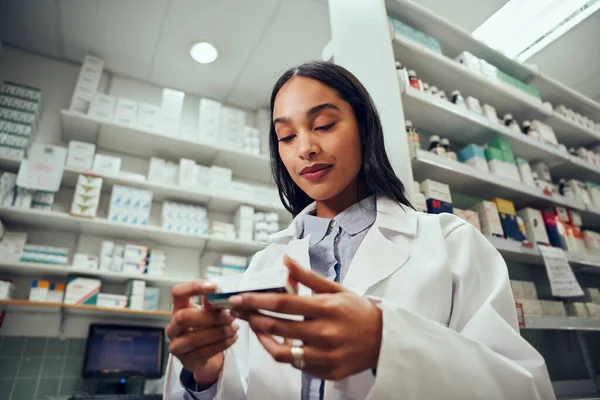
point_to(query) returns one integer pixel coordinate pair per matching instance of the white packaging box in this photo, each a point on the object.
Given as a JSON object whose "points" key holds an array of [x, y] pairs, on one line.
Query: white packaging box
{"points": [[116, 264], [546, 132], [187, 173], [490, 113], [474, 105], [6, 290], [85, 262], [87, 83], [126, 111], [80, 155], [261, 226], [534, 225], [436, 190], [259, 217], [103, 106], [575, 218], [594, 192], [148, 117], [271, 217], [531, 308], [108, 165], [580, 192], [135, 288], [246, 236], [111, 300], [552, 308], [135, 253], [525, 173], [529, 290], [107, 249], [577, 309], [592, 242], [156, 170], [234, 261], [220, 174], [209, 120], [244, 212], [518, 289], [594, 295], [542, 170], [593, 310], [489, 218], [136, 302], [87, 196], [273, 227], [202, 175], [39, 290], [472, 217], [172, 103], [82, 290], [479, 163], [232, 128]]}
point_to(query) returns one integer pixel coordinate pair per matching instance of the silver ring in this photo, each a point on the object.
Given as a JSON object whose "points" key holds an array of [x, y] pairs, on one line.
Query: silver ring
{"points": [[298, 357]]}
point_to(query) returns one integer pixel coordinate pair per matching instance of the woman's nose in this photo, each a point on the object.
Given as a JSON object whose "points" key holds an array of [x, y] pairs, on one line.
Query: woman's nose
{"points": [[308, 147]]}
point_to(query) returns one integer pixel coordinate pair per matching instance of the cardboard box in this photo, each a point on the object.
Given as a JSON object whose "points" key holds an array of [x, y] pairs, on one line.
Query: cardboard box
{"points": [[518, 289], [437, 206], [107, 165], [80, 155], [436, 190], [531, 308], [111, 300], [148, 117], [39, 290], [102, 106], [126, 111], [82, 290], [209, 122], [87, 83], [86, 262], [136, 302], [529, 290], [136, 288], [489, 218], [534, 226], [472, 217], [577, 309]]}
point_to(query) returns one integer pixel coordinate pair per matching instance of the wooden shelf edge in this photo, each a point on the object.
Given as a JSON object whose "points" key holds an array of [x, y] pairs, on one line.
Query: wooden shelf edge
{"points": [[28, 303]]}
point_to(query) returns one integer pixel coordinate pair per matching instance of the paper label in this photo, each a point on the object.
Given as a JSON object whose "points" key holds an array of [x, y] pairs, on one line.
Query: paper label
{"points": [[44, 168], [562, 280]]}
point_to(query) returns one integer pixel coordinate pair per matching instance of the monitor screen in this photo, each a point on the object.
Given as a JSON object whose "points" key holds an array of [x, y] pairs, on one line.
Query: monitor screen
{"points": [[123, 351]]}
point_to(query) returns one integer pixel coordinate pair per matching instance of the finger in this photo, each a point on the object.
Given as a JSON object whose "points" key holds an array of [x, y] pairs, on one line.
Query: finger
{"points": [[196, 318], [311, 279], [182, 292], [207, 352], [310, 332], [284, 303], [199, 339], [283, 352]]}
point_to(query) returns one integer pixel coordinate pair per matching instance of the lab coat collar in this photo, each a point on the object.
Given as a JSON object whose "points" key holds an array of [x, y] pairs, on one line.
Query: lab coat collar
{"points": [[391, 217]]}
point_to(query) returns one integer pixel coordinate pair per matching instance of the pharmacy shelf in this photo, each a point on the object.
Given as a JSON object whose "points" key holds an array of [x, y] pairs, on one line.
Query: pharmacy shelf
{"points": [[557, 93], [469, 180], [102, 227], [27, 306], [17, 268], [454, 40], [449, 75], [220, 201], [571, 134], [9, 164], [576, 168], [462, 126], [562, 323], [130, 140]]}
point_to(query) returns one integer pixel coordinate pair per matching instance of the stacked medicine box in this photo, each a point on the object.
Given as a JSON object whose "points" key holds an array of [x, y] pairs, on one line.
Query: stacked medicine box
{"points": [[20, 110]]}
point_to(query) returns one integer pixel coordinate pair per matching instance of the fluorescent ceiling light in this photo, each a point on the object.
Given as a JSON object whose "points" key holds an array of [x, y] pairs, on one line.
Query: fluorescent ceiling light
{"points": [[521, 28], [204, 52]]}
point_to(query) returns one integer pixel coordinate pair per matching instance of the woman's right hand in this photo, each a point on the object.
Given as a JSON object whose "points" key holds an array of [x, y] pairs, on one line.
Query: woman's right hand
{"points": [[199, 335]]}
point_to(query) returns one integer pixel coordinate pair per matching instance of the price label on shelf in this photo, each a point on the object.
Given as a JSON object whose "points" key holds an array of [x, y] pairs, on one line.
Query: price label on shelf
{"points": [[562, 279], [43, 170]]}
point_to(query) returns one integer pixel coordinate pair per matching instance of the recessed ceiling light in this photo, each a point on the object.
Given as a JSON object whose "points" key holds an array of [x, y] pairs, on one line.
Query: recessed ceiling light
{"points": [[204, 52]]}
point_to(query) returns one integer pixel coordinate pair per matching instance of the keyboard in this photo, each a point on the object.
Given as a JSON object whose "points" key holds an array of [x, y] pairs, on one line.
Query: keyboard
{"points": [[116, 397]]}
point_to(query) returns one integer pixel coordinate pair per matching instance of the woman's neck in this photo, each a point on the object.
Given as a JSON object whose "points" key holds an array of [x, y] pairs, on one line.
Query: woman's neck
{"points": [[331, 207]]}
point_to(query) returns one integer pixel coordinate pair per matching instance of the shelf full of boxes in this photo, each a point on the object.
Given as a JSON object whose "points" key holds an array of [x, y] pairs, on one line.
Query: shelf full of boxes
{"points": [[205, 205], [523, 171]]}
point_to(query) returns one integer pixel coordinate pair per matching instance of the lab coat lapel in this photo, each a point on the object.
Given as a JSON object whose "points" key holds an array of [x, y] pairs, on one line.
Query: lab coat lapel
{"points": [[381, 254]]}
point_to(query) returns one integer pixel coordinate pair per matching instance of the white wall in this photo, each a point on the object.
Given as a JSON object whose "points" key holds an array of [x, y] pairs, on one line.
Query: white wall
{"points": [[57, 79]]}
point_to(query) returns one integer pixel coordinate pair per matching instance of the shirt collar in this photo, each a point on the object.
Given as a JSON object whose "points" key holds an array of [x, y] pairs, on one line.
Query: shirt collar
{"points": [[352, 220]]}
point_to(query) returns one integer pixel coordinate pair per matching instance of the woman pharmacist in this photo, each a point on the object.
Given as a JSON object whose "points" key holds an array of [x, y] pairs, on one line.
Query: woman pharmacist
{"points": [[404, 305]]}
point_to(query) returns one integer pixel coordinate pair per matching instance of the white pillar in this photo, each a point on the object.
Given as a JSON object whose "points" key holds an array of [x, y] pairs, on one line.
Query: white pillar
{"points": [[361, 43]]}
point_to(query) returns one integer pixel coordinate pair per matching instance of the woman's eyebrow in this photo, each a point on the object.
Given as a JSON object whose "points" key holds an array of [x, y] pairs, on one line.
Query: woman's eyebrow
{"points": [[314, 110]]}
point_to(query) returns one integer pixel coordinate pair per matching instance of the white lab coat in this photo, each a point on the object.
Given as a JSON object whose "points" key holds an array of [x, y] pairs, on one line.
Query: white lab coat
{"points": [[450, 329]]}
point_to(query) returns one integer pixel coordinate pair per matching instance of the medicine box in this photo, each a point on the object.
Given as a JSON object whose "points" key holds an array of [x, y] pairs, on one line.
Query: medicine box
{"points": [[593, 310], [148, 117], [87, 196], [56, 294], [529, 290], [39, 290], [80, 155], [472, 217], [436, 190], [106, 165], [126, 111], [459, 213], [437, 207], [473, 155], [489, 218], [561, 213], [525, 171], [87, 83], [102, 106], [577, 309], [21, 91], [505, 206], [542, 170], [593, 294], [209, 120], [136, 288], [85, 262], [82, 290], [580, 192], [518, 289], [534, 225], [111, 300], [531, 308], [136, 302]]}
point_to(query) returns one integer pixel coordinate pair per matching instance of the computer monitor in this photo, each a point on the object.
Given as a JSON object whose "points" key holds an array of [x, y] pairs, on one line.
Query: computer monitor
{"points": [[116, 351]]}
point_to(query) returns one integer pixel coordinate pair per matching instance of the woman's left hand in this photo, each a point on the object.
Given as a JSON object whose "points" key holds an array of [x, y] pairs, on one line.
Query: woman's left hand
{"points": [[341, 331]]}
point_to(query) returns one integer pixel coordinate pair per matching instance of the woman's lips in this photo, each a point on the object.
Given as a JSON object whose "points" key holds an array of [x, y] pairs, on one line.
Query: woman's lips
{"points": [[316, 174]]}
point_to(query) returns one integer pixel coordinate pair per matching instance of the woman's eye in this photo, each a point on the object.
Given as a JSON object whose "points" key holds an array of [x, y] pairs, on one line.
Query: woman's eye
{"points": [[325, 128], [287, 139]]}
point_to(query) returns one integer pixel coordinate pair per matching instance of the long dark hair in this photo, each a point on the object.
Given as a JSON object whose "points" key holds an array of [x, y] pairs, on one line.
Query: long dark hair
{"points": [[376, 174]]}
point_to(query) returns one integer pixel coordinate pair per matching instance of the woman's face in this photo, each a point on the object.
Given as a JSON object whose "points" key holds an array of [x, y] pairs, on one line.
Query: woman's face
{"points": [[318, 136]]}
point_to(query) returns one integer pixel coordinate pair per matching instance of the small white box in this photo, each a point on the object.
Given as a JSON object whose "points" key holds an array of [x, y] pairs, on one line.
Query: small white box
{"points": [[136, 302], [156, 170], [534, 225], [6, 289], [529, 290], [220, 174], [86, 262], [111, 300], [531, 308], [479, 163], [543, 171], [474, 105], [148, 117], [87, 83], [107, 165], [469, 61], [490, 113], [436, 190], [489, 218], [518, 289], [233, 261], [102, 106], [472, 217], [577, 309], [209, 120], [525, 172], [39, 290], [580, 192], [187, 173], [594, 295], [80, 155], [135, 288], [593, 310], [126, 111]]}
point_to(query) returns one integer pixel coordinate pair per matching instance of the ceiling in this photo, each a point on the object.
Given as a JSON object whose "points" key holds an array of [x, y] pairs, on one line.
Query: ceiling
{"points": [[256, 39], [150, 39]]}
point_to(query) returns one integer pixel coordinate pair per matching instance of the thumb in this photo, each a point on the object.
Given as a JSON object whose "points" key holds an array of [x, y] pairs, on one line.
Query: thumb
{"points": [[310, 279]]}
